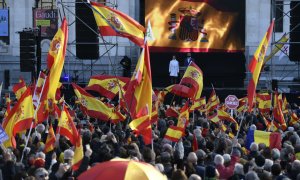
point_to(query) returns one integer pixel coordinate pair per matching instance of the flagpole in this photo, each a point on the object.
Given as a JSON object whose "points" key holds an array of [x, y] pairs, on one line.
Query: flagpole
{"points": [[36, 84], [34, 117], [243, 116]]}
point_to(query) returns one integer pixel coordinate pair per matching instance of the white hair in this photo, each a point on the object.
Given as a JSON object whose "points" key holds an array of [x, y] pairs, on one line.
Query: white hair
{"points": [[160, 167], [251, 175], [238, 169], [268, 164], [226, 158], [254, 147], [194, 177], [192, 157], [40, 155], [219, 160]]}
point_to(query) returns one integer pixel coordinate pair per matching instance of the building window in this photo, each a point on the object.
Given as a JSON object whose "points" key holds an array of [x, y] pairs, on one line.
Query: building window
{"points": [[279, 16]]}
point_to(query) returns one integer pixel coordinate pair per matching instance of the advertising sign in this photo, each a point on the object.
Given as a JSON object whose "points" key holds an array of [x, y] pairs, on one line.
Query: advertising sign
{"points": [[4, 22], [48, 20]]}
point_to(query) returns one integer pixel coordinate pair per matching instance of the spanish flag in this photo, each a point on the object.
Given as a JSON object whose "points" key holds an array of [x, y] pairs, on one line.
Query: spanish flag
{"points": [[19, 118], [55, 61], [256, 65], [193, 77], [115, 23], [242, 105], [270, 139], [139, 92], [294, 119], [78, 154], [277, 112], [199, 104], [7, 102], [49, 145], [67, 127], [38, 88], [212, 102], [183, 119], [264, 102], [174, 133], [19, 88], [92, 106], [105, 85]]}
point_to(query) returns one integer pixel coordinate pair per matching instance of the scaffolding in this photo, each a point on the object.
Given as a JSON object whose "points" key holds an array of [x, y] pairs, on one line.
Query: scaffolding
{"points": [[107, 45], [282, 72]]}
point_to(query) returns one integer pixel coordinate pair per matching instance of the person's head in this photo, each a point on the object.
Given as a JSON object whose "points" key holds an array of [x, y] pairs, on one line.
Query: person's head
{"points": [[238, 169], [192, 158], [179, 175], [275, 154], [68, 156], [41, 174], [260, 161], [268, 165], [189, 55], [254, 147], [219, 160], [174, 57], [251, 175], [276, 169], [194, 177], [227, 159]]}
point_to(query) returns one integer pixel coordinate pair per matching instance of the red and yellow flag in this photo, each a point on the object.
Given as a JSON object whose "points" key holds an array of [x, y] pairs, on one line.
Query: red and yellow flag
{"points": [[112, 22], [242, 105], [139, 92], [294, 119], [19, 118], [174, 133], [38, 88], [55, 61], [50, 141], [19, 88], [106, 85], [7, 103], [199, 104], [264, 102], [196, 26], [183, 118], [78, 154], [277, 113], [256, 65], [193, 77], [67, 127], [212, 102], [92, 106]]}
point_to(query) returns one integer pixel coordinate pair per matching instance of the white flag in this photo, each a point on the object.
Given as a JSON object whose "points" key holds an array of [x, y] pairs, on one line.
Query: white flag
{"points": [[149, 34], [284, 51]]}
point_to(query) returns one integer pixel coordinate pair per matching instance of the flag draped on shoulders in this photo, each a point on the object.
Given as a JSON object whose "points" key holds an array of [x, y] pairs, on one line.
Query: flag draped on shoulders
{"points": [[19, 118], [55, 61], [112, 22], [256, 65]]}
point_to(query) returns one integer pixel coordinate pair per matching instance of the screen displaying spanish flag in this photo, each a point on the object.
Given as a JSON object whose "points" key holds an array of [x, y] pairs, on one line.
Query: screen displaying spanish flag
{"points": [[196, 26]]}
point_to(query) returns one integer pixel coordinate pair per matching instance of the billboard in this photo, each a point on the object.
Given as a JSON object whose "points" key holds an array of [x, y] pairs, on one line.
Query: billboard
{"points": [[48, 20], [196, 25], [4, 25]]}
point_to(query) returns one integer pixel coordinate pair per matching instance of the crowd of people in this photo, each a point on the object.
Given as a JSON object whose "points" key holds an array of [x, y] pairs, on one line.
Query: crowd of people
{"points": [[218, 155]]}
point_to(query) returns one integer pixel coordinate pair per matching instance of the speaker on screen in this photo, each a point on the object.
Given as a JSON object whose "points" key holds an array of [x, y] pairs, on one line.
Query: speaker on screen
{"points": [[87, 41], [294, 53]]}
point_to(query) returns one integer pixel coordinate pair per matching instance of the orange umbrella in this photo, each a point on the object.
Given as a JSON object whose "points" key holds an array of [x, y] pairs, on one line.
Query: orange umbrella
{"points": [[122, 169]]}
